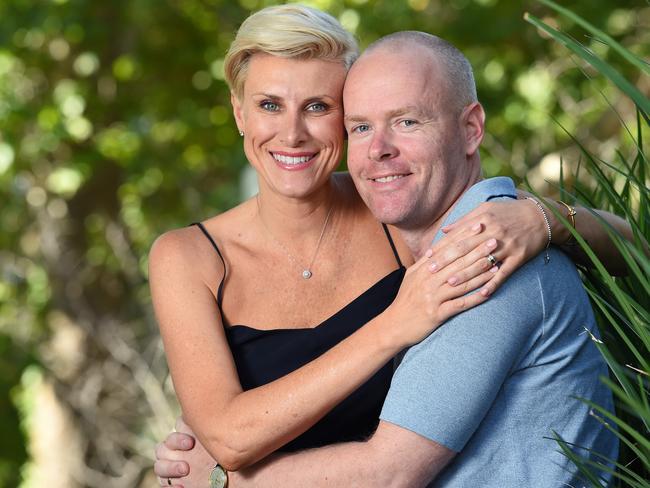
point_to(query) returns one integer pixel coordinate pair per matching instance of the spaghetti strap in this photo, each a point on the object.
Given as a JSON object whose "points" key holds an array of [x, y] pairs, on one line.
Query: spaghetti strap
{"points": [[216, 248], [392, 245]]}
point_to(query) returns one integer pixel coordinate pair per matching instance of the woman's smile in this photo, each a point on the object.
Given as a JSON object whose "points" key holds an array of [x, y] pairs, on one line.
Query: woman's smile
{"points": [[291, 114], [294, 161]]}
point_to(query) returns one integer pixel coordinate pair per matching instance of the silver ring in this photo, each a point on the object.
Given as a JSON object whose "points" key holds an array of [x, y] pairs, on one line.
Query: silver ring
{"points": [[492, 259]]}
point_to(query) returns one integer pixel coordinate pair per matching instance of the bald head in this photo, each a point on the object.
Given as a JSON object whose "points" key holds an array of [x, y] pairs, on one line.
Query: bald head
{"points": [[458, 73]]}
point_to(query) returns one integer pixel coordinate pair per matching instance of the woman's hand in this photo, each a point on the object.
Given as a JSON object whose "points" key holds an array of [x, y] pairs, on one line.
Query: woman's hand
{"points": [[438, 285], [181, 460], [518, 227]]}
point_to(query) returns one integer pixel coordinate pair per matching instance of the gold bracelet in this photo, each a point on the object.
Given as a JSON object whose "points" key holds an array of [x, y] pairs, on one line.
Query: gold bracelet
{"points": [[571, 241]]}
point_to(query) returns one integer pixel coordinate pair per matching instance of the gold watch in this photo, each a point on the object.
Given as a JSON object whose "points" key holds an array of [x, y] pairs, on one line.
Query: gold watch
{"points": [[218, 477]]}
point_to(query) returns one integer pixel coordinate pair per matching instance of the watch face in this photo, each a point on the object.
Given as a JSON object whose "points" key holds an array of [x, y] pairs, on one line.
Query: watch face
{"points": [[218, 477]]}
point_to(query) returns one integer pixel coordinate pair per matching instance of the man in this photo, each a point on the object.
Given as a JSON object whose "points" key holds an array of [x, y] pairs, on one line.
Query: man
{"points": [[478, 402]]}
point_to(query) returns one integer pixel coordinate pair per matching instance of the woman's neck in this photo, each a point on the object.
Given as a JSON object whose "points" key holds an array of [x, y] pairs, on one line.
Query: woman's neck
{"points": [[297, 219]]}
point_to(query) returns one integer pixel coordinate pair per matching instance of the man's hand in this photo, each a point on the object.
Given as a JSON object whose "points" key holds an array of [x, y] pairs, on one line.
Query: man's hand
{"points": [[181, 460]]}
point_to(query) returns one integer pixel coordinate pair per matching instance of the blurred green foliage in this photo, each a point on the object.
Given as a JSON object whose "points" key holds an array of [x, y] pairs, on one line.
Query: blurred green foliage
{"points": [[115, 126]]}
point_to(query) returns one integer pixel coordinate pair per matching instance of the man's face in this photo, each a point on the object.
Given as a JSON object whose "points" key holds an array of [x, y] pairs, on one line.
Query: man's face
{"points": [[406, 150]]}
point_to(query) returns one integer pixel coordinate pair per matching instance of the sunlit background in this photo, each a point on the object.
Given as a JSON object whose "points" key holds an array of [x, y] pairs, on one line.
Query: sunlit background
{"points": [[115, 126]]}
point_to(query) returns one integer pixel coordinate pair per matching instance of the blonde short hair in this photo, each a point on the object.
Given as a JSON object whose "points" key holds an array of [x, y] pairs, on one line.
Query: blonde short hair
{"points": [[289, 31]]}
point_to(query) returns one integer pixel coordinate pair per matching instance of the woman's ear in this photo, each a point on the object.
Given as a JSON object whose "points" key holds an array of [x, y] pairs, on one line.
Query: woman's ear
{"points": [[237, 112], [473, 123]]}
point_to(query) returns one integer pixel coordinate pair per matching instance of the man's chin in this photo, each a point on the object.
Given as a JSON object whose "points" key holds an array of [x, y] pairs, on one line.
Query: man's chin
{"points": [[390, 216]]}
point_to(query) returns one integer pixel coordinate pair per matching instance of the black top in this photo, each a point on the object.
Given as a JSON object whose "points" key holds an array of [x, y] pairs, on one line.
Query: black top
{"points": [[262, 356]]}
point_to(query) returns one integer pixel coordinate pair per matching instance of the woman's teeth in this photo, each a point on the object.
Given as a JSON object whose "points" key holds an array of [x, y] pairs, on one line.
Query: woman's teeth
{"points": [[290, 159]]}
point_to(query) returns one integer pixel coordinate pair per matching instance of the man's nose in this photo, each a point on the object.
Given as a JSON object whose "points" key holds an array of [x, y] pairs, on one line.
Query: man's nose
{"points": [[382, 147], [294, 130]]}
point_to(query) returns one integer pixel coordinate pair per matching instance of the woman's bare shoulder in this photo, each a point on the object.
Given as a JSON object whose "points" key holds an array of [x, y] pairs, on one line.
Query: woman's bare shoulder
{"points": [[189, 251], [176, 253]]}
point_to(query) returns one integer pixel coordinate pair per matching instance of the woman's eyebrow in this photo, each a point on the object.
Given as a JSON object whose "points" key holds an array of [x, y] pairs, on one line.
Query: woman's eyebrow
{"points": [[267, 95]]}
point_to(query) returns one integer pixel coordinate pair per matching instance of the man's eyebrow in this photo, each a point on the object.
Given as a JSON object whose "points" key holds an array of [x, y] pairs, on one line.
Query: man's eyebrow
{"points": [[398, 112], [409, 109], [354, 118]]}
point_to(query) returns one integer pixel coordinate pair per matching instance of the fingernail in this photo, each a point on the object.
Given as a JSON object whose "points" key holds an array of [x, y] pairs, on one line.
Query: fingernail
{"points": [[182, 471], [186, 444], [452, 281], [492, 243], [476, 227], [485, 292], [433, 267], [494, 269], [429, 253]]}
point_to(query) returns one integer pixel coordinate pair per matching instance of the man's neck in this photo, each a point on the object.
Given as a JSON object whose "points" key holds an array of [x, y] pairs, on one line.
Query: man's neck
{"points": [[419, 239]]}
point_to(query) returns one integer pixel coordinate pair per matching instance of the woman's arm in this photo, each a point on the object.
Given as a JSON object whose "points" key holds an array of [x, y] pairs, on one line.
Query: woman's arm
{"points": [[592, 228], [523, 223], [240, 427]]}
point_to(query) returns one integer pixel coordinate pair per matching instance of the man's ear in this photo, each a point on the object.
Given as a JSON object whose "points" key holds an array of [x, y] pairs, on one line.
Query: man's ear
{"points": [[473, 122], [237, 112]]}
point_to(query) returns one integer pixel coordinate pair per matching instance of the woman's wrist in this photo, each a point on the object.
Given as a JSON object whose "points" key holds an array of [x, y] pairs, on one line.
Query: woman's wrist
{"points": [[388, 336], [561, 233]]}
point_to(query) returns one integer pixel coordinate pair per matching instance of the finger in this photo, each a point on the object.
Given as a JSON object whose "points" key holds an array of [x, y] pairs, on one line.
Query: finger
{"points": [[161, 451], [164, 453], [451, 307], [458, 226], [474, 248], [459, 233], [463, 277], [505, 270], [424, 261], [170, 483], [178, 441], [461, 230], [473, 264], [452, 249], [165, 481], [476, 284], [466, 220], [165, 468]]}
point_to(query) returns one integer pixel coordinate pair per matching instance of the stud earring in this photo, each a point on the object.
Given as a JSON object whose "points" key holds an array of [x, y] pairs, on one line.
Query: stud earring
{"points": [[241, 133]]}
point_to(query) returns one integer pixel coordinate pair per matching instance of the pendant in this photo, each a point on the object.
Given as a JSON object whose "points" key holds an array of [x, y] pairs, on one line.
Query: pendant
{"points": [[306, 274]]}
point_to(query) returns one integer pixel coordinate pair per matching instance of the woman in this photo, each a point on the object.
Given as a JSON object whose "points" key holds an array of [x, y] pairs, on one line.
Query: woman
{"points": [[248, 390]]}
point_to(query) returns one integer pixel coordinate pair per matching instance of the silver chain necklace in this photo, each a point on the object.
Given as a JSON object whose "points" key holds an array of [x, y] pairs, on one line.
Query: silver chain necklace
{"points": [[306, 272]]}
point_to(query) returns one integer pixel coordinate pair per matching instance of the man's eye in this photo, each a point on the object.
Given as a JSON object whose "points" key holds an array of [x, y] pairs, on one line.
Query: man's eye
{"points": [[317, 107], [270, 106], [360, 129], [408, 122]]}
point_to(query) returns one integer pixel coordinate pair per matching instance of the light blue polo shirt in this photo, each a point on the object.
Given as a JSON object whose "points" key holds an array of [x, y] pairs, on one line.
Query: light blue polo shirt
{"points": [[496, 381]]}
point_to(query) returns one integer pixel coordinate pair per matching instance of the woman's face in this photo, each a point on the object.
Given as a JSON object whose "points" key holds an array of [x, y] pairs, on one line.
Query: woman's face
{"points": [[291, 113]]}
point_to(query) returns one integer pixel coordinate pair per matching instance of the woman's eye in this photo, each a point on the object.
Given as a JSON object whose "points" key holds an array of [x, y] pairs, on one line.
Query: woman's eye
{"points": [[270, 106], [317, 107]]}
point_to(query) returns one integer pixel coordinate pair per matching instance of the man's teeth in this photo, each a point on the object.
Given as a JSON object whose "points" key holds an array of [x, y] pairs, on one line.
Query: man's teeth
{"points": [[386, 179], [290, 159]]}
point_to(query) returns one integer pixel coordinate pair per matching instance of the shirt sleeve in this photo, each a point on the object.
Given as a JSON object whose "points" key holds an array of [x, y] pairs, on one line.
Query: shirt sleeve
{"points": [[446, 384]]}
